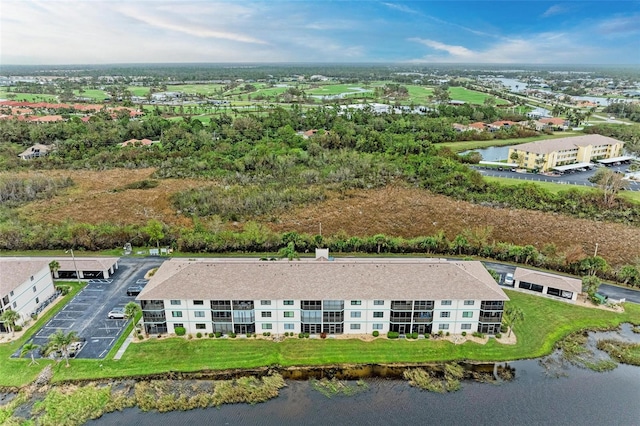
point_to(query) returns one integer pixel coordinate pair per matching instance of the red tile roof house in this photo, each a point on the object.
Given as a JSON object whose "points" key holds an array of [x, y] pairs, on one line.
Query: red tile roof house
{"points": [[555, 122], [479, 126]]}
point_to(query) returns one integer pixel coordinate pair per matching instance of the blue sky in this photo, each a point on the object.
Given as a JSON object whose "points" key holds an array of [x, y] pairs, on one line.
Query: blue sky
{"points": [[536, 32]]}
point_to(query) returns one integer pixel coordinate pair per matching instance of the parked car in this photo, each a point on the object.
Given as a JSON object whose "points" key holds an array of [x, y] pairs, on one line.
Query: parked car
{"points": [[134, 290], [508, 279], [116, 313]]}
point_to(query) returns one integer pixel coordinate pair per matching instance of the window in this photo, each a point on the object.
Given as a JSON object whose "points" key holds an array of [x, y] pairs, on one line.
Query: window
{"points": [[198, 302], [467, 314], [288, 302], [266, 326], [446, 303], [198, 314], [37, 300], [31, 277], [445, 314], [356, 302], [466, 326], [377, 326], [176, 325], [356, 314], [378, 302], [34, 288], [201, 326], [443, 327], [265, 302], [11, 293], [289, 326], [288, 314], [176, 302], [378, 314], [266, 314], [15, 305], [469, 302], [355, 326], [176, 314]]}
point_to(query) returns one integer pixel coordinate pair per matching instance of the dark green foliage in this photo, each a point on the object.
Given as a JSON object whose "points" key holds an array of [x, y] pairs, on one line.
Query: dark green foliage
{"points": [[143, 184], [199, 335], [180, 331], [393, 335], [376, 333]]}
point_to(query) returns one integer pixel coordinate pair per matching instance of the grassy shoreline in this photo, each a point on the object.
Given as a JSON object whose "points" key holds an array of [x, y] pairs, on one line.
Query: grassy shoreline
{"points": [[546, 322]]}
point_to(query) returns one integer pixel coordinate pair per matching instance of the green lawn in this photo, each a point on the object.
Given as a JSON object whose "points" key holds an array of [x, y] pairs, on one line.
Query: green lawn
{"points": [[472, 96], [204, 89], [419, 95], [546, 321], [28, 97], [96, 94], [138, 90]]}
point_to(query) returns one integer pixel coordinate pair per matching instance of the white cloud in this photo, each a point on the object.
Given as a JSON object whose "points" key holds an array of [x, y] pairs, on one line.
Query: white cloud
{"points": [[556, 9], [460, 52], [621, 25], [401, 8]]}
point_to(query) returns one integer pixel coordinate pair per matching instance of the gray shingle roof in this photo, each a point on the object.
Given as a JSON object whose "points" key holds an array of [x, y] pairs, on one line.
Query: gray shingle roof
{"points": [[550, 280], [361, 279], [15, 271]]}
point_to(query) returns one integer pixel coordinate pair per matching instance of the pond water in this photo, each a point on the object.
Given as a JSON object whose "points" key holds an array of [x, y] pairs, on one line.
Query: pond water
{"points": [[492, 153], [535, 397]]}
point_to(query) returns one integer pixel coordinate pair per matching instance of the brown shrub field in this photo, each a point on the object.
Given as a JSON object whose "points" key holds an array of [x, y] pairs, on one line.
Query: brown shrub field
{"points": [[98, 196]]}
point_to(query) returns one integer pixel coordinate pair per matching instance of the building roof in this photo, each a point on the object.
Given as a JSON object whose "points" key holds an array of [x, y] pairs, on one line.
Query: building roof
{"points": [[561, 144], [341, 279], [16, 270], [550, 280], [85, 263], [44, 149]]}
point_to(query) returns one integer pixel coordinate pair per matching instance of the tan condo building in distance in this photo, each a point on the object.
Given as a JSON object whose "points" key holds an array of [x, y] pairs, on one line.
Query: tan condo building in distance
{"points": [[576, 151]]}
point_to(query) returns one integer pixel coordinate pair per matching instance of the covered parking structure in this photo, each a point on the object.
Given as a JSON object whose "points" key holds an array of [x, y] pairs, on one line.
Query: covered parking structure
{"points": [[550, 285], [569, 167], [86, 267], [610, 161]]}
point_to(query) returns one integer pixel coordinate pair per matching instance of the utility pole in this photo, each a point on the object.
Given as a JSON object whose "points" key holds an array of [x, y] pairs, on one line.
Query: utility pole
{"points": [[74, 265]]}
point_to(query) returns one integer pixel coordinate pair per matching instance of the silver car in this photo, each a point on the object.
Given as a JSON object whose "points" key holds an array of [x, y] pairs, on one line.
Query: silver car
{"points": [[116, 313]]}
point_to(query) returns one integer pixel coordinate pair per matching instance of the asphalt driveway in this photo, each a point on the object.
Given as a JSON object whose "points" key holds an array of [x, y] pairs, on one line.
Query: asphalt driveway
{"points": [[86, 313]]}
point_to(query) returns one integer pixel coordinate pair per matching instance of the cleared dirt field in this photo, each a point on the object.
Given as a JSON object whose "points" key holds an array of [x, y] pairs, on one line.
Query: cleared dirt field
{"points": [[393, 211]]}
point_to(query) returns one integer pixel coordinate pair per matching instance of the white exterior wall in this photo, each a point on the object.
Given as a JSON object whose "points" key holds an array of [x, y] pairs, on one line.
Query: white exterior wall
{"points": [[25, 298], [279, 324]]}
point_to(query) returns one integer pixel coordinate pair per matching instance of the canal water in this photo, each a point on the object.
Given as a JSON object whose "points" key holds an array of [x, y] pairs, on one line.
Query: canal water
{"points": [[539, 395], [492, 153]]}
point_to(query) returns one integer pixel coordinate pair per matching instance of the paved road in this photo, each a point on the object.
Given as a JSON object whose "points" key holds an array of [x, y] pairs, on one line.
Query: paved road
{"points": [[614, 292], [86, 313]]}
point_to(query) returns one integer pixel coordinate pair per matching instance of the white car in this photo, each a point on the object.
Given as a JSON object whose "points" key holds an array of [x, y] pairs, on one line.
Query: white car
{"points": [[116, 313], [508, 279]]}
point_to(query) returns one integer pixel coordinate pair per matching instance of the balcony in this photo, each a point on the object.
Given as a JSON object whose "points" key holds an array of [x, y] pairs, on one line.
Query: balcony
{"points": [[401, 305]]}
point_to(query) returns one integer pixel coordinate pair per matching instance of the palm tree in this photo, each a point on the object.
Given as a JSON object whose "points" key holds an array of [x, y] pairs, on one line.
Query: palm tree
{"points": [[29, 348], [9, 317], [54, 266], [512, 315], [60, 341], [131, 309]]}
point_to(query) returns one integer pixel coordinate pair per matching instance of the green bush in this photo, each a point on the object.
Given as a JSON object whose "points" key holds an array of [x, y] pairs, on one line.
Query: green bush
{"points": [[503, 328], [376, 333], [306, 335], [199, 335], [232, 335], [301, 336], [478, 334], [190, 336], [427, 336], [464, 333], [17, 327], [498, 335], [211, 335], [140, 336], [393, 335], [440, 333], [447, 333], [180, 331]]}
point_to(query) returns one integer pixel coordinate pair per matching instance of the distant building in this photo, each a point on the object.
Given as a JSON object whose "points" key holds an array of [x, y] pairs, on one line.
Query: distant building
{"points": [[576, 150], [35, 151]]}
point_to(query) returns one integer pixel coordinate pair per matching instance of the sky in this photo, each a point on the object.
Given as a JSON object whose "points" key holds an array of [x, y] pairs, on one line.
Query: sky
{"points": [[365, 31]]}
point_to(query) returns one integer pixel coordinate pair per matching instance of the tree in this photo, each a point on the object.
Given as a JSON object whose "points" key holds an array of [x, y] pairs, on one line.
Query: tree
{"points": [[54, 266], [131, 310], [590, 285], [60, 341], [9, 317], [629, 274], [380, 240], [610, 182], [29, 348], [511, 316], [518, 157], [155, 230], [592, 265], [289, 252]]}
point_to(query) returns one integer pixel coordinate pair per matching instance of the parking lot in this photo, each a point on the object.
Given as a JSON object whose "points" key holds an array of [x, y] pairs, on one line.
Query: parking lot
{"points": [[86, 313], [574, 178]]}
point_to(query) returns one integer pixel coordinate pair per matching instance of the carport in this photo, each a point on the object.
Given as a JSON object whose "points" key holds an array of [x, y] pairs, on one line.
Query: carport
{"points": [[575, 166], [610, 161], [87, 267], [550, 285]]}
